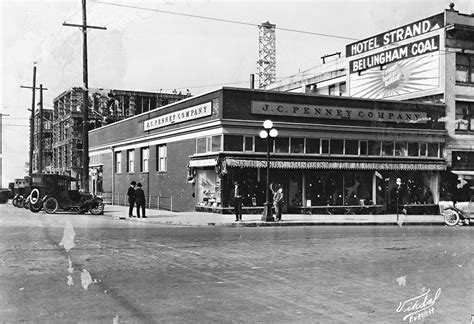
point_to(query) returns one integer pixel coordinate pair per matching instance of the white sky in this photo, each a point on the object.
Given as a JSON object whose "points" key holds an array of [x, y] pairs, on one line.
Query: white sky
{"points": [[149, 51]]}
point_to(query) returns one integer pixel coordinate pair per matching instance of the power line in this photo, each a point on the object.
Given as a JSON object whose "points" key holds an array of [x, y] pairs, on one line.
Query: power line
{"points": [[221, 20]]}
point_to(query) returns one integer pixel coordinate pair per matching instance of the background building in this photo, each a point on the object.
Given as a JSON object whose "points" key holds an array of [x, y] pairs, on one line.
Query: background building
{"points": [[46, 136], [106, 106], [430, 60]]}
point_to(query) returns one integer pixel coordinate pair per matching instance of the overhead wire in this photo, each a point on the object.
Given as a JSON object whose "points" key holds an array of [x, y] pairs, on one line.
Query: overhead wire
{"points": [[221, 20]]}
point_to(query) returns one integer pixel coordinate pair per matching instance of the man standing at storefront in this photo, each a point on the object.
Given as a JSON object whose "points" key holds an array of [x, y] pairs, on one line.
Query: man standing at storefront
{"points": [[237, 195], [131, 198], [278, 203], [140, 200]]}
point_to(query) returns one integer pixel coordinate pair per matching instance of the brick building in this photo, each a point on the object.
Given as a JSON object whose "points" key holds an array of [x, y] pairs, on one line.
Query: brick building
{"points": [[330, 152]]}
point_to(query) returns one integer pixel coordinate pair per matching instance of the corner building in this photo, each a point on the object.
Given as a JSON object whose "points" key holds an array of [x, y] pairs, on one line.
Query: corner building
{"points": [[331, 154]]}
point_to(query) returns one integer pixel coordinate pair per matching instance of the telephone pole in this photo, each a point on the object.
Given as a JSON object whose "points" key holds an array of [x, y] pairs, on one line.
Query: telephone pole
{"points": [[32, 125], [32, 121], [85, 98]]}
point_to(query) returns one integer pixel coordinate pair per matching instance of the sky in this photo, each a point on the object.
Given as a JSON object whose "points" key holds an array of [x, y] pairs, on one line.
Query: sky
{"points": [[157, 45]]}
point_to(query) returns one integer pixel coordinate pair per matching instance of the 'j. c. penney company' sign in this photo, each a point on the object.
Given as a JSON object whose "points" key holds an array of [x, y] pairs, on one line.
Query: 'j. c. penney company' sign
{"points": [[328, 112], [180, 116]]}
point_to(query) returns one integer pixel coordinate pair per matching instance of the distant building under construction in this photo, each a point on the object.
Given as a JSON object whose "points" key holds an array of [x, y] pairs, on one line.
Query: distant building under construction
{"points": [[105, 106]]}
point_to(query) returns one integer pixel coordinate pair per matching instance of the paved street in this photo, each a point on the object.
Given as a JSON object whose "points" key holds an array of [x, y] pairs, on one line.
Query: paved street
{"points": [[147, 272]]}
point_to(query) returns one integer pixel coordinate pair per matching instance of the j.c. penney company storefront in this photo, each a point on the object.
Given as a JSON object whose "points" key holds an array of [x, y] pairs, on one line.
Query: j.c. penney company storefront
{"points": [[332, 154]]}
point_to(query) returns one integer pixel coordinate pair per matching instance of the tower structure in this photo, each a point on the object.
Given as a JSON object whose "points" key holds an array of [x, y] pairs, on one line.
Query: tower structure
{"points": [[266, 55]]}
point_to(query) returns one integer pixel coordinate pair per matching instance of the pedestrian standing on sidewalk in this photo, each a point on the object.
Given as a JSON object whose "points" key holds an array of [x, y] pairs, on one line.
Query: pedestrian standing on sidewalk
{"points": [[131, 198], [140, 197], [278, 203], [237, 196]]}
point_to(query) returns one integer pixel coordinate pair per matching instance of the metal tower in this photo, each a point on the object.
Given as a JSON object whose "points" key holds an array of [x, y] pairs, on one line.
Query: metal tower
{"points": [[266, 55]]}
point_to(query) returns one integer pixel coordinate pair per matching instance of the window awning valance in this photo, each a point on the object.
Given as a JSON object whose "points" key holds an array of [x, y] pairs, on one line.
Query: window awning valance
{"points": [[342, 165]]}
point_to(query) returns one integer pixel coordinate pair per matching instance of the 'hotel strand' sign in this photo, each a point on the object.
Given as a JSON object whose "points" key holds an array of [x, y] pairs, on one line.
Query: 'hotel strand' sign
{"points": [[396, 35], [180, 116], [327, 112]]}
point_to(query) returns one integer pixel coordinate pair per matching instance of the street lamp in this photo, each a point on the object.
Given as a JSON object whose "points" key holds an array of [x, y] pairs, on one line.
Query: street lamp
{"points": [[268, 134], [399, 183]]}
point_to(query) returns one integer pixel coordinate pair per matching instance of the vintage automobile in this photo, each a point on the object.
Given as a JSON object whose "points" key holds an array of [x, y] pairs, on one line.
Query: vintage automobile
{"points": [[460, 213], [53, 191]]}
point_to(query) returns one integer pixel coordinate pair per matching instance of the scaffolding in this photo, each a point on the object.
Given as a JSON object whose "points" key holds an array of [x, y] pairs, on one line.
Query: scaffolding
{"points": [[266, 55]]}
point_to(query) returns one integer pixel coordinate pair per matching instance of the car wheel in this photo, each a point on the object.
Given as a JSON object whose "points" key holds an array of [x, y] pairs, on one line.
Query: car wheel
{"points": [[34, 196], [96, 208], [20, 202], [451, 217], [50, 205], [35, 208]]}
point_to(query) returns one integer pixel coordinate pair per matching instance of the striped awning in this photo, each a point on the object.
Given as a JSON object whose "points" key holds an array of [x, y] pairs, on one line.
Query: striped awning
{"points": [[342, 165]]}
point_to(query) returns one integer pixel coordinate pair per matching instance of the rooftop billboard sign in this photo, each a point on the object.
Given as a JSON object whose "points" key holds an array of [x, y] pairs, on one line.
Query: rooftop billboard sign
{"points": [[396, 35]]}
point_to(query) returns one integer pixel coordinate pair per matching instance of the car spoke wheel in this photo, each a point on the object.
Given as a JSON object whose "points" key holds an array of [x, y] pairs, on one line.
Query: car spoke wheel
{"points": [[96, 208], [451, 217], [50, 205], [35, 208]]}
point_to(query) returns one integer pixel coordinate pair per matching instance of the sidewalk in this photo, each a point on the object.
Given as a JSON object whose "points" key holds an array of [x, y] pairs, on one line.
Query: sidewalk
{"points": [[253, 220]]}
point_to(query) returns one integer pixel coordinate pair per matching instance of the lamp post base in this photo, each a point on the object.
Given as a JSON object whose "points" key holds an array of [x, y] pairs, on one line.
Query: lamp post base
{"points": [[267, 212]]}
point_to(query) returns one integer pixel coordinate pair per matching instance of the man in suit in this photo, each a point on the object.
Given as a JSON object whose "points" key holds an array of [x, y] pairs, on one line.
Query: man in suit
{"points": [[140, 200], [237, 196], [131, 198]]}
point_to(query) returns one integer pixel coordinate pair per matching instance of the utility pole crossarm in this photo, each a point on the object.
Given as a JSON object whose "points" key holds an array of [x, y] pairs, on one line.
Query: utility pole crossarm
{"points": [[82, 26], [36, 88]]}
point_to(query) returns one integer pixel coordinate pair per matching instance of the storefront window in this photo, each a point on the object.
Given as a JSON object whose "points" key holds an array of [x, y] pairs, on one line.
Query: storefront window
{"points": [[325, 146], [363, 148], [312, 145], [401, 149], [358, 188], [324, 188], [233, 143], [337, 147], [206, 188], [248, 144], [297, 145], [433, 149], [261, 145], [423, 149], [351, 147], [387, 149], [282, 144], [413, 149], [374, 148]]}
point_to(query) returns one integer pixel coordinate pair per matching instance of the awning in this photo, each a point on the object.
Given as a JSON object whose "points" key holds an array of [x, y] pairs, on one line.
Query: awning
{"points": [[202, 163], [278, 164]]}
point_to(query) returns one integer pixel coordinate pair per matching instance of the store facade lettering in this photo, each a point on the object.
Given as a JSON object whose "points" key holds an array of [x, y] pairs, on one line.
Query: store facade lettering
{"points": [[180, 116], [316, 111]]}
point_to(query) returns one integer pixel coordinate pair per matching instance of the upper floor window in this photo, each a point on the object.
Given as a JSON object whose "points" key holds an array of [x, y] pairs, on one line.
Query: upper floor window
{"points": [[162, 158], [145, 154], [209, 144], [342, 89], [332, 90], [131, 161], [464, 68], [464, 120], [118, 162]]}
